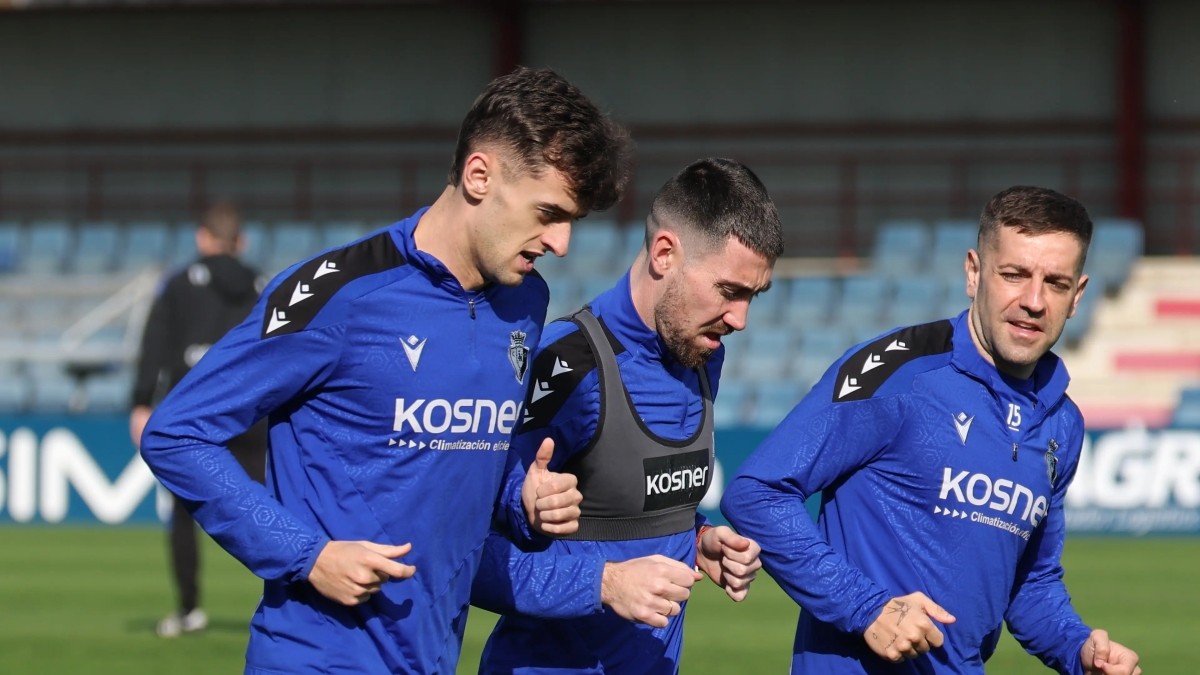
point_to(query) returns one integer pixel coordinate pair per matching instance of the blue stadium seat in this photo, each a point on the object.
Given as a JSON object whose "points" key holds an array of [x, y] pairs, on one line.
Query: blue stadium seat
{"points": [[818, 348], [774, 399], [595, 248], [732, 406], [633, 240], [291, 242], [901, 248], [592, 285], [565, 296], [108, 392], [341, 232], [53, 388], [864, 301], [147, 244], [1116, 244], [1187, 413], [256, 249], [771, 308], [16, 394], [97, 247], [917, 299], [768, 352], [811, 300], [10, 245], [182, 245], [48, 245], [951, 241]]}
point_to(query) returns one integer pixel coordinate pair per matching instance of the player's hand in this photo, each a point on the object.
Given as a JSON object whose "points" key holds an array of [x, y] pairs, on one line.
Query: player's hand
{"points": [[906, 628], [729, 559], [648, 590], [350, 572], [138, 417], [551, 499], [1102, 655]]}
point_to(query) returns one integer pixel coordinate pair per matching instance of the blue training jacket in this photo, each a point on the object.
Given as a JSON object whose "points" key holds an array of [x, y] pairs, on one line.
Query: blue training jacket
{"points": [[576, 633], [937, 474], [391, 394]]}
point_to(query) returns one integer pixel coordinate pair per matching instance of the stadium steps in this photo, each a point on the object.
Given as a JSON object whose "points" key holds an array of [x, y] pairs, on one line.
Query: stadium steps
{"points": [[1143, 348]]}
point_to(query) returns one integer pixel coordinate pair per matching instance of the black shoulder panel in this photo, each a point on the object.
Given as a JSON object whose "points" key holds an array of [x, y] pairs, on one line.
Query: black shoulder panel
{"points": [[866, 370], [299, 298], [557, 371]]}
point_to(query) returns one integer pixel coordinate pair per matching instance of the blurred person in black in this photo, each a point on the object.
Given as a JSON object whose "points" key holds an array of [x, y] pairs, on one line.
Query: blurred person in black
{"points": [[195, 306]]}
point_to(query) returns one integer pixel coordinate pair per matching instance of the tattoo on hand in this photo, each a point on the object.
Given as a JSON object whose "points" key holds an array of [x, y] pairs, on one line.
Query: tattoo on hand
{"points": [[900, 608]]}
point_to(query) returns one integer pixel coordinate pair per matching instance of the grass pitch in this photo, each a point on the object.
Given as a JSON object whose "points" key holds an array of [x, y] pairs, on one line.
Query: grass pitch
{"points": [[85, 600]]}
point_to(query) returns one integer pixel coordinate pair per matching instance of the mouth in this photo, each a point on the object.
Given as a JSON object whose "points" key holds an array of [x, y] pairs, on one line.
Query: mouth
{"points": [[712, 338], [1026, 327], [530, 258]]}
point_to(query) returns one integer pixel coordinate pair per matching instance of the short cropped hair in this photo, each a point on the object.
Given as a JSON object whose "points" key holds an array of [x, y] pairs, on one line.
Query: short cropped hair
{"points": [[716, 198], [543, 120], [1035, 210], [224, 223]]}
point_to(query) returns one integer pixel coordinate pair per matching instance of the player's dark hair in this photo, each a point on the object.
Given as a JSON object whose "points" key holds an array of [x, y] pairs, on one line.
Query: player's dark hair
{"points": [[224, 223], [717, 198], [543, 120], [1035, 210]]}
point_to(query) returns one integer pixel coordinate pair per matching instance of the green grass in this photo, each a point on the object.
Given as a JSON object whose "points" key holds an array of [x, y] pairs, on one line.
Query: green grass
{"points": [[84, 600]]}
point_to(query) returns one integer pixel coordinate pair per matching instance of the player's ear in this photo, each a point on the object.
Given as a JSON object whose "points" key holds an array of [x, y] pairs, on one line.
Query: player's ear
{"points": [[665, 251], [972, 268], [478, 173]]}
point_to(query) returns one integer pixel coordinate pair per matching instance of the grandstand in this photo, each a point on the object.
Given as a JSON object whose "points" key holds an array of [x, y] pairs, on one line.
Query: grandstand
{"points": [[75, 296]]}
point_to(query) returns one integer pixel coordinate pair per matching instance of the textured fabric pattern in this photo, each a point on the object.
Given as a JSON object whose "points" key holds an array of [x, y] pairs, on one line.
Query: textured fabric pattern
{"points": [[935, 476], [391, 394], [667, 397]]}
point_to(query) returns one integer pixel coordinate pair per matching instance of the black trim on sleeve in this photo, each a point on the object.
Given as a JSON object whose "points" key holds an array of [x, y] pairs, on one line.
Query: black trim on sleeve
{"points": [[298, 299], [557, 371], [866, 370]]}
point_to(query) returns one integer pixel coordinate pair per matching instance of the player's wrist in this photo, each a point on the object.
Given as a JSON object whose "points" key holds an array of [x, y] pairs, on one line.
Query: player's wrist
{"points": [[700, 537]]}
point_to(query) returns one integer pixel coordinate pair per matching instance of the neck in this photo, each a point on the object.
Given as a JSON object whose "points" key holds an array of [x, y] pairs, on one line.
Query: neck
{"points": [[1020, 373], [444, 232], [643, 290]]}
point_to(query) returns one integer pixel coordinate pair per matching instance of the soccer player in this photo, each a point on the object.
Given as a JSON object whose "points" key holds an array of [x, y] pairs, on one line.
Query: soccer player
{"points": [[942, 453], [392, 372], [195, 307], [624, 388]]}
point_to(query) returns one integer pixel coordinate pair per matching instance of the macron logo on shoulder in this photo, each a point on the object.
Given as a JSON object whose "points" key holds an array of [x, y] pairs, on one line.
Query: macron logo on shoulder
{"points": [[278, 320], [325, 268]]}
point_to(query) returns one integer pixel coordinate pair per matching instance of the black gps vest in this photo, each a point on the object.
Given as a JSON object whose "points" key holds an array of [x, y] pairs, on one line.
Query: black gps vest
{"points": [[636, 484]]}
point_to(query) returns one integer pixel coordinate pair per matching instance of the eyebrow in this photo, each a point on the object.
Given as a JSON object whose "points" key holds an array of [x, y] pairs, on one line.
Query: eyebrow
{"points": [[742, 287], [1051, 277], [557, 211]]}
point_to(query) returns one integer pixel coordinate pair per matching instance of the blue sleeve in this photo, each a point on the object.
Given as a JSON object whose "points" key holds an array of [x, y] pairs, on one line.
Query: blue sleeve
{"points": [[507, 574], [240, 380], [510, 518], [815, 446], [1040, 615], [537, 584]]}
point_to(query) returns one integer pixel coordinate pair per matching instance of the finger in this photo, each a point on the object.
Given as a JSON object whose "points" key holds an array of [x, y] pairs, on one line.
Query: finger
{"points": [[732, 540], [674, 609], [545, 451], [1100, 647], [386, 550], [551, 497], [737, 595], [937, 612], [935, 637]]}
